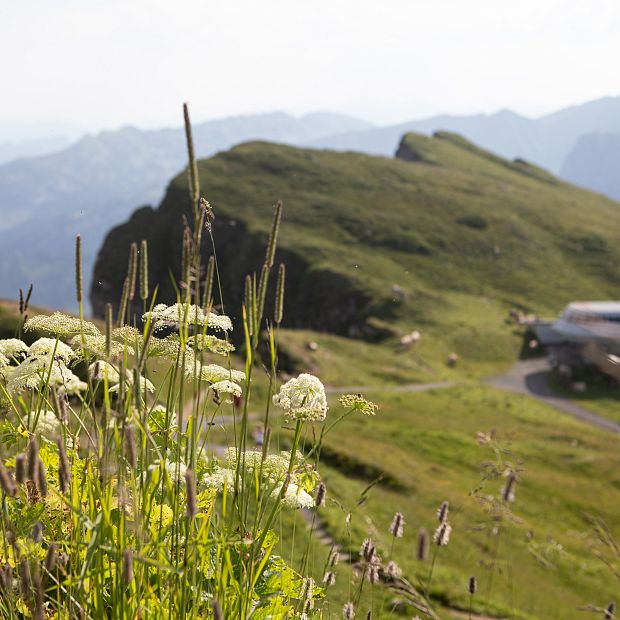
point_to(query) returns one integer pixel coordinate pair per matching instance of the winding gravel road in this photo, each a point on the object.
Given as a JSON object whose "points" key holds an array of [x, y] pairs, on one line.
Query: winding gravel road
{"points": [[530, 377]]}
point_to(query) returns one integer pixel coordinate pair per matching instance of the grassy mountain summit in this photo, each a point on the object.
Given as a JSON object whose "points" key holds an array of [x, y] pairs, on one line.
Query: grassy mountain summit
{"points": [[444, 235]]}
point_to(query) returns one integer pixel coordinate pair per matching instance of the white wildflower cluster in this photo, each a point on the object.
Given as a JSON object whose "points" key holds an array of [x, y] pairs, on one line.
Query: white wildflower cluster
{"points": [[59, 324], [303, 398], [100, 370], [175, 471], [274, 467], [358, 403], [294, 496], [145, 385], [219, 479], [158, 415], [275, 471], [34, 372], [207, 342], [50, 347], [168, 347], [227, 387], [95, 346], [163, 316], [47, 424], [212, 373], [128, 335], [13, 348]]}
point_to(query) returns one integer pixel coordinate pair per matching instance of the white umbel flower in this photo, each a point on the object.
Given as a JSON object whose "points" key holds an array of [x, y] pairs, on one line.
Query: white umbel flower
{"points": [[145, 385], [295, 497], [33, 373], [13, 347], [176, 471], [303, 398], [206, 342], [214, 373], [48, 424], [99, 370], [46, 347], [163, 316], [219, 479], [60, 324], [227, 387]]}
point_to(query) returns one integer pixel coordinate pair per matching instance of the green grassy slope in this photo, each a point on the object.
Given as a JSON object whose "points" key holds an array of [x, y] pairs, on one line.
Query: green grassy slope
{"points": [[464, 234], [544, 563]]}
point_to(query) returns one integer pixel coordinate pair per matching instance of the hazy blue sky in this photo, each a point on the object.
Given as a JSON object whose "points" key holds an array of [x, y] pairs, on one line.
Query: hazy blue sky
{"points": [[101, 64]]}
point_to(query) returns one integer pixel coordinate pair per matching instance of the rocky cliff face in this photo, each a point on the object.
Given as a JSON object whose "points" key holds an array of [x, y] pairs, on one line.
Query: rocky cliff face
{"points": [[316, 298]]}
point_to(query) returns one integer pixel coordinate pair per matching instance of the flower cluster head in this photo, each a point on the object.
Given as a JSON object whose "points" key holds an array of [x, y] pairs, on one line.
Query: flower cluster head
{"points": [[212, 373], [35, 372], [227, 387], [47, 425], [163, 316], [50, 347], [441, 537], [294, 496], [358, 403], [207, 342], [13, 348], [101, 370], [219, 479], [59, 324], [348, 611], [303, 398]]}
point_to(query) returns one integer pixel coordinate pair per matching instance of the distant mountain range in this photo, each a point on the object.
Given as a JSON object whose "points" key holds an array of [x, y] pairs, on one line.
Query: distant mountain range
{"points": [[95, 183], [594, 162], [545, 141], [31, 148]]}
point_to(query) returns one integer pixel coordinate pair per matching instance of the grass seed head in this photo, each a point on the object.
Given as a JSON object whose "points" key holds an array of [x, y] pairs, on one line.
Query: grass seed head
{"points": [[442, 534], [329, 579], [610, 611], [472, 586], [397, 526], [41, 478], [442, 512], [348, 611], [127, 573], [7, 482], [21, 468], [33, 458], [51, 558], [508, 492], [422, 546], [190, 493]]}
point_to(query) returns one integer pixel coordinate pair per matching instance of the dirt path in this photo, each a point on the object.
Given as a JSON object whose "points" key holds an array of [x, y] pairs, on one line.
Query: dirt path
{"points": [[530, 377]]}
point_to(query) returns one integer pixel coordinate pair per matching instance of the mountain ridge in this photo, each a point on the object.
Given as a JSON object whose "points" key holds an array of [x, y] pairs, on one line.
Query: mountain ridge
{"points": [[374, 245]]}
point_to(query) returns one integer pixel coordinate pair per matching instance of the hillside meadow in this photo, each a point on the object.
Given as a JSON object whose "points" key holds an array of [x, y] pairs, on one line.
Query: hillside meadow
{"points": [[444, 239]]}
